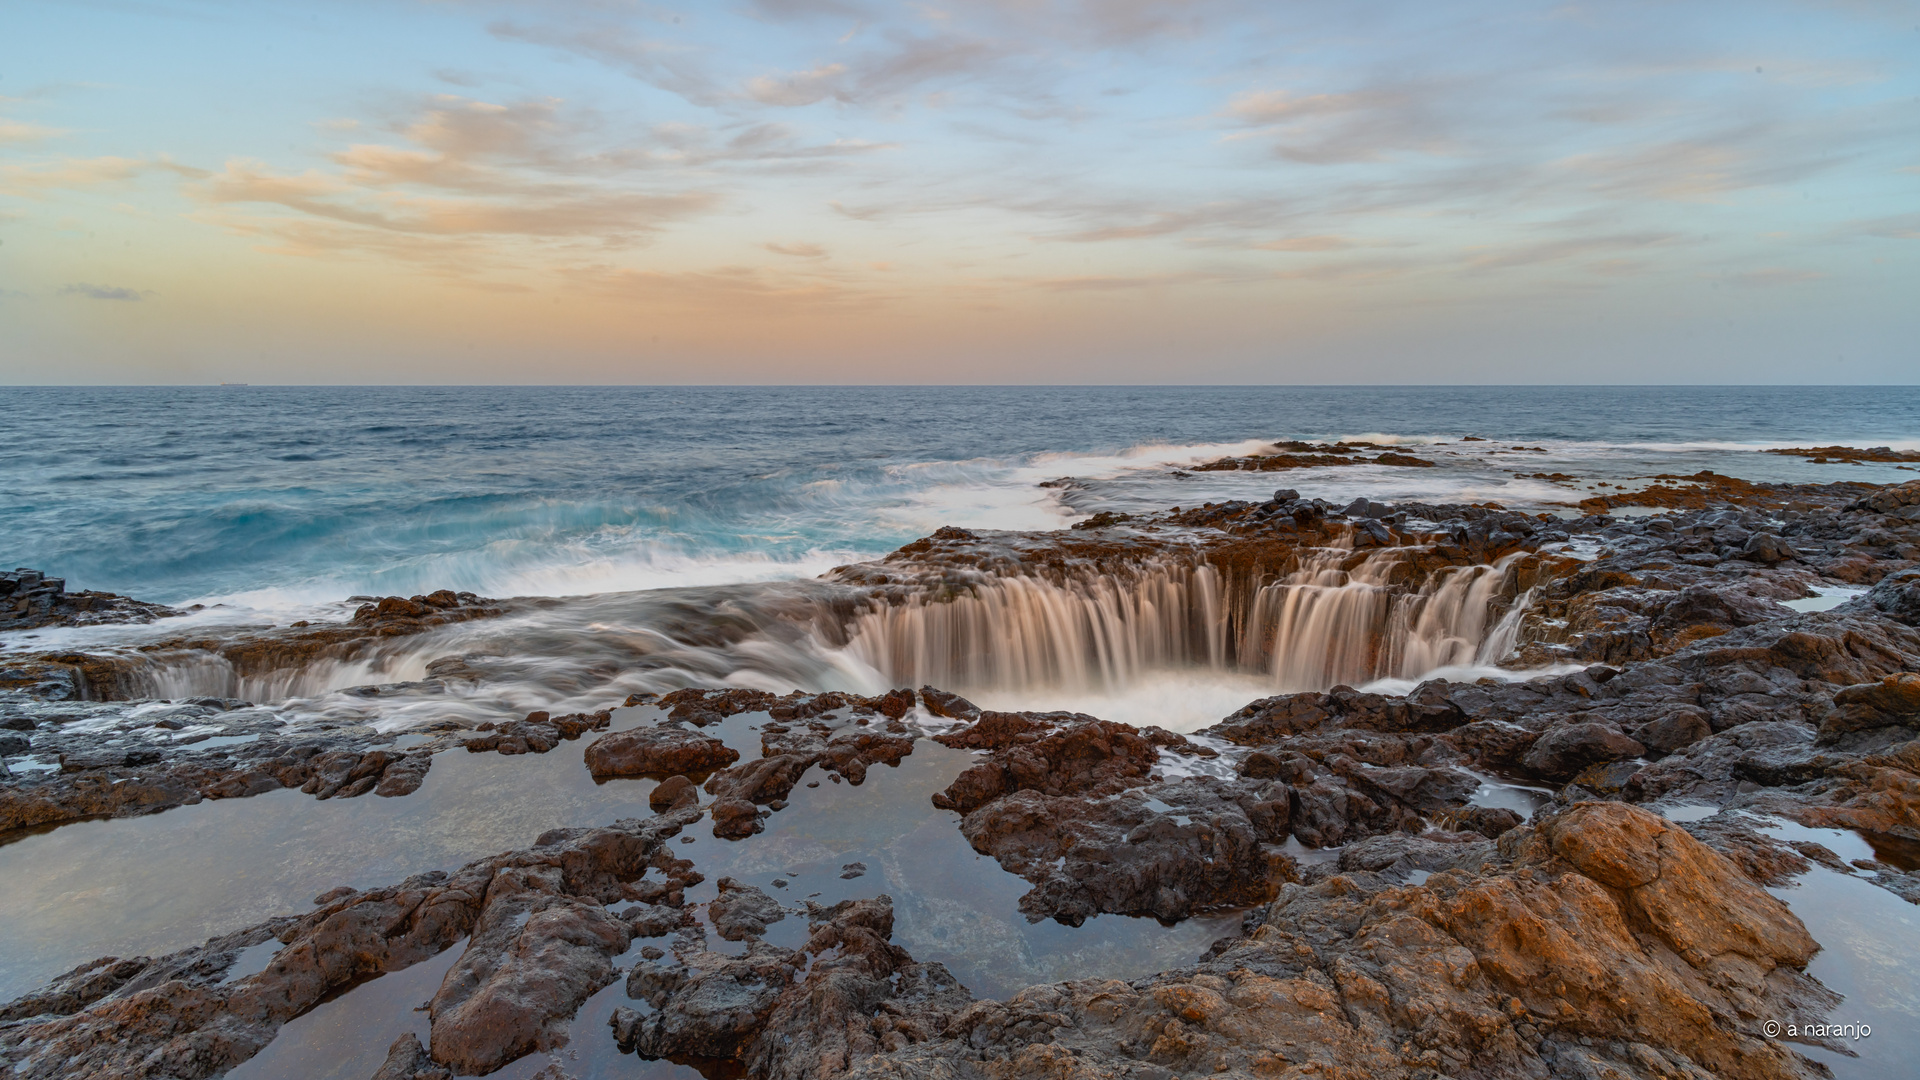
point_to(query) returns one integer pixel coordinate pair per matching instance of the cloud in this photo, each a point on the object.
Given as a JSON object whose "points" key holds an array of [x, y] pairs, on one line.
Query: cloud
{"points": [[858, 213], [32, 180], [797, 250], [1768, 276], [467, 180], [1366, 125], [1222, 223], [667, 65], [800, 87], [1305, 243], [541, 211], [102, 292], [1562, 249], [727, 289], [1892, 227], [16, 131]]}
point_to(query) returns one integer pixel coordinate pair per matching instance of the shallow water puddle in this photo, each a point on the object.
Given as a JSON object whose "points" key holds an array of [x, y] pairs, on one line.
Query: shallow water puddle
{"points": [[1868, 941], [1827, 598], [151, 885], [347, 1038]]}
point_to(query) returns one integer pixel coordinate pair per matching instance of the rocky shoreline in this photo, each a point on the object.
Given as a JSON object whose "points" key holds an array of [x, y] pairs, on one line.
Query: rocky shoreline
{"points": [[1396, 921]]}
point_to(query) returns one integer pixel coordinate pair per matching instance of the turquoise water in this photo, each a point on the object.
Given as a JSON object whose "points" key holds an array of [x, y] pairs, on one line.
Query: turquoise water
{"points": [[276, 496]]}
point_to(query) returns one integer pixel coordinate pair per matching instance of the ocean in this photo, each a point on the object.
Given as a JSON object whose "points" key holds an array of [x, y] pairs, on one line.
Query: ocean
{"points": [[275, 499]]}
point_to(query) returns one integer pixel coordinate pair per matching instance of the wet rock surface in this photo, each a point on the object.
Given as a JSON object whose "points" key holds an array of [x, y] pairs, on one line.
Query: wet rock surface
{"points": [[81, 760], [1402, 918], [841, 734], [1599, 941], [668, 749], [247, 653], [30, 600], [537, 932]]}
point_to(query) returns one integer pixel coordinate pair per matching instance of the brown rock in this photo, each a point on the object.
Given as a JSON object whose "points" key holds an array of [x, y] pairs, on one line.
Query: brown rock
{"points": [[1894, 700], [536, 954], [1566, 750], [663, 750], [673, 793], [408, 1060]]}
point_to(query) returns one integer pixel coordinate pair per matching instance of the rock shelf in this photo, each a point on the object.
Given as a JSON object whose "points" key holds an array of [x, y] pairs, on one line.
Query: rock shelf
{"points": [[1744, 660]]}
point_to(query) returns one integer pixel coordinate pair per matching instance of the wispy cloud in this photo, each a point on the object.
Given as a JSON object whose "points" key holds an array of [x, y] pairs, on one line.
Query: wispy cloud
{"points": [[66, 173], [16, 131], [1768, 277], [103, 292], [464, 170], [797, 250]]}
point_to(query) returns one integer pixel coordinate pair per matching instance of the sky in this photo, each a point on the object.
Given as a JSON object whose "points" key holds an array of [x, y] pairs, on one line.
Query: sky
{"points": [[976, 191]]}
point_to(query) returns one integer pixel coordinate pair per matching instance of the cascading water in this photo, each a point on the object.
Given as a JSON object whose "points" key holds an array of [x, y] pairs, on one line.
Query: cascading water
{"points": [[1334, 620], [1093, 632], [1102, 641], [1325, 625]]}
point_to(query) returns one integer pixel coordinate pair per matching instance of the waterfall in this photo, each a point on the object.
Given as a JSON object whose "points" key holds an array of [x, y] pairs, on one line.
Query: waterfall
{"points": [[1095, 631], [1332, 621], [1325, 626], [1334, 616]]}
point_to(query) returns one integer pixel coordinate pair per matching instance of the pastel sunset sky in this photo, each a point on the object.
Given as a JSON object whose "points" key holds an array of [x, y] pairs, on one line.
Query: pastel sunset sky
{"points": [[966, 191]]}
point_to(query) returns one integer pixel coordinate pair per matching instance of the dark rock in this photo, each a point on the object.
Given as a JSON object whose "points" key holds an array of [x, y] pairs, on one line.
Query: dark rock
{"points": [[1894, 700], [176, 1016], [1898, 595], [702, 1004], [408, 1060], [1564, 751], [1768, 548], [742, 911], [1171, 851], [1083, 756], [663, 750], [673, 793], [949, 706], [1675, 731]]}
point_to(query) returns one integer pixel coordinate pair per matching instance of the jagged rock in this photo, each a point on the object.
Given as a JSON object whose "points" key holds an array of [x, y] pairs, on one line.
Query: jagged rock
{"points": [[1566, 750], [408, 1060], [30, 600], [860, 995], [664, 750], [703, 1004], [1055, 754], [742, 911], [1169, 851], [673, 793], [535, 955], [1513, 963], [1894, 700], [1898, 594], [176, 1017], [787, 754], [949, 706]]}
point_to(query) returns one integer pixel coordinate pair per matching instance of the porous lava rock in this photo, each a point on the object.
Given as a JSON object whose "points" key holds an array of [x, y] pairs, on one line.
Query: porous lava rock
{"points": [[669, 748], [1515, 962]]}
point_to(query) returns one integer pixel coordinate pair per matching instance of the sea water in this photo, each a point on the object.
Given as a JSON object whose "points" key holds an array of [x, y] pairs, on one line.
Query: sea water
{"points": [[273, 498]]}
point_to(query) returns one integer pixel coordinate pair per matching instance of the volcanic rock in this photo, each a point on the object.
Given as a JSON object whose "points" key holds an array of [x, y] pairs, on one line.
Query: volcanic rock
{"points": [[742, 911], [666, 749]]}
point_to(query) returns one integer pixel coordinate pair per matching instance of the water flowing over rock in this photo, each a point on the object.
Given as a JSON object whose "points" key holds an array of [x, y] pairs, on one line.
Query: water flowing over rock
{"points": [[1444, 874]]}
